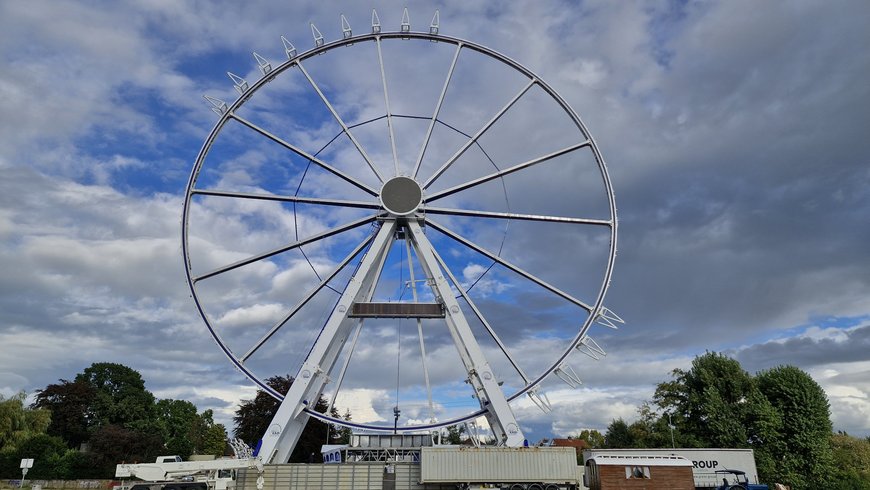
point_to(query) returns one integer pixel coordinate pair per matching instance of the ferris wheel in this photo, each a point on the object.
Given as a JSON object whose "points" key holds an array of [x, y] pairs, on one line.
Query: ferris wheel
{"points": [[403, 218]]}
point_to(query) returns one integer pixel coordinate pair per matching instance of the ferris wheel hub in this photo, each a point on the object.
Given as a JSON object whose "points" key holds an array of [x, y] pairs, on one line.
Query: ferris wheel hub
{"points": [[401, 196]]}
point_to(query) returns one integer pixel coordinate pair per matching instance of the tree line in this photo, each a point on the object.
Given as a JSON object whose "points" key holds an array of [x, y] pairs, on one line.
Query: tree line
{"points": [[780, 413], [84, 427], [105, 416]]}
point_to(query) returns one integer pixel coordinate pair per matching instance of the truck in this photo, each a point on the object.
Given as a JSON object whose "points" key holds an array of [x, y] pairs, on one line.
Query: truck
{"points": [[705, 462], [171, 473]]}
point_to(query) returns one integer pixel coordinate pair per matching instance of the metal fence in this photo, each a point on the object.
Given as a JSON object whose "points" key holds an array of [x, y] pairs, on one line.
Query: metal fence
{"points": [[63, 484], [348, 476]]}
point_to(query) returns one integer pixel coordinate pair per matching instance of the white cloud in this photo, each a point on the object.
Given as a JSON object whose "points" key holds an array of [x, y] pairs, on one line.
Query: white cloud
{"points": [[473, 274], [361, 403], [253, 314], [734, 142], [11, 383], [835, 357]]}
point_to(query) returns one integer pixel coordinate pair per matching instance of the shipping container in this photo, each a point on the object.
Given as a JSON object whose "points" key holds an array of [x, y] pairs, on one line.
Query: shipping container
{"points": [[498, 464]]}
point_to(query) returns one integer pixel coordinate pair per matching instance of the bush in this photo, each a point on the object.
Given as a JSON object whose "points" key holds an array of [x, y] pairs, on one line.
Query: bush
{"points": [[46, 451], [850, 480]]}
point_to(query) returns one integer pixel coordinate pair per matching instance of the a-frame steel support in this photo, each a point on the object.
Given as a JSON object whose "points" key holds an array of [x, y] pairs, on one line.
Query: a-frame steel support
{"points": [[287, 425]]}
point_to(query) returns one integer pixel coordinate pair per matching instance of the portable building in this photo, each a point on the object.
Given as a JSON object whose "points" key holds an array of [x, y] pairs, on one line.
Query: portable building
{"points": [[629, 472]]}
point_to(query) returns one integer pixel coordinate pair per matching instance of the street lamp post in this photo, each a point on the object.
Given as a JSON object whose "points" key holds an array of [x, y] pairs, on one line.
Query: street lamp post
{"points": [[671, 425]]}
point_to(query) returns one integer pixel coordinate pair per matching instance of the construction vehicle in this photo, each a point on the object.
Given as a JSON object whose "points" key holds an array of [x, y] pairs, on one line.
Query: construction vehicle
{"points": [[171, 473]]}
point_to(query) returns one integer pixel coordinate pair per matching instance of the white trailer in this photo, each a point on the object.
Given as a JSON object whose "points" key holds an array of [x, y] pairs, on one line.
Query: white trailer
{"points": [[705, 462]]}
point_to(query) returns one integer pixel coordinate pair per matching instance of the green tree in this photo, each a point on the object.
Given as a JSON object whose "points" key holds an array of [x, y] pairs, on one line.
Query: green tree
{"points": [[593, 438], [716, 402], [214, 440], [781, 413], [18, 422], [652, 429], [113, 444], [108, 405], [46, 452], [76, 465], [121, 397], [339, 434], [851, 461], [618, 435], [70, 405], [805, 458], [454, 434], [52, 460], [209, 437], [180, 424]]}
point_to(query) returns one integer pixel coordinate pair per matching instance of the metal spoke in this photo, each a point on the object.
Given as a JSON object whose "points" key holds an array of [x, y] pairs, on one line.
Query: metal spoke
{"points": [[482, 130], [420, 331], [296, 199], [344, 366], [367, 297], [387, 103], [437, 110], [526, 217], [297, 244], [480, 317], [506, 171], [295, 149], [340, 121], [540, 282], [307, 298]]}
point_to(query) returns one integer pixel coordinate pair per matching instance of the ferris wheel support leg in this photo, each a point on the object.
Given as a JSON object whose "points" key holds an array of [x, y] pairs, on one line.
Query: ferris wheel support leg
{"points": [[290, 419], [480, 375]]}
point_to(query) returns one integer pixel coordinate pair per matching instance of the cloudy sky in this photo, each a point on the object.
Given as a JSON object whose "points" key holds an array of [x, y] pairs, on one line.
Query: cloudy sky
{"points": [[734, 135]]}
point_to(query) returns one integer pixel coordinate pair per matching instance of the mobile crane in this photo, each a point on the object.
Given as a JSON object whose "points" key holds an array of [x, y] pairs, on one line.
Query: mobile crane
{"points": [[171, 473]]}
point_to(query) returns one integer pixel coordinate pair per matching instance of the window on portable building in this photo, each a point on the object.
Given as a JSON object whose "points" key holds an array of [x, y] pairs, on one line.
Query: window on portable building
{"points": [[637, 472]]}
